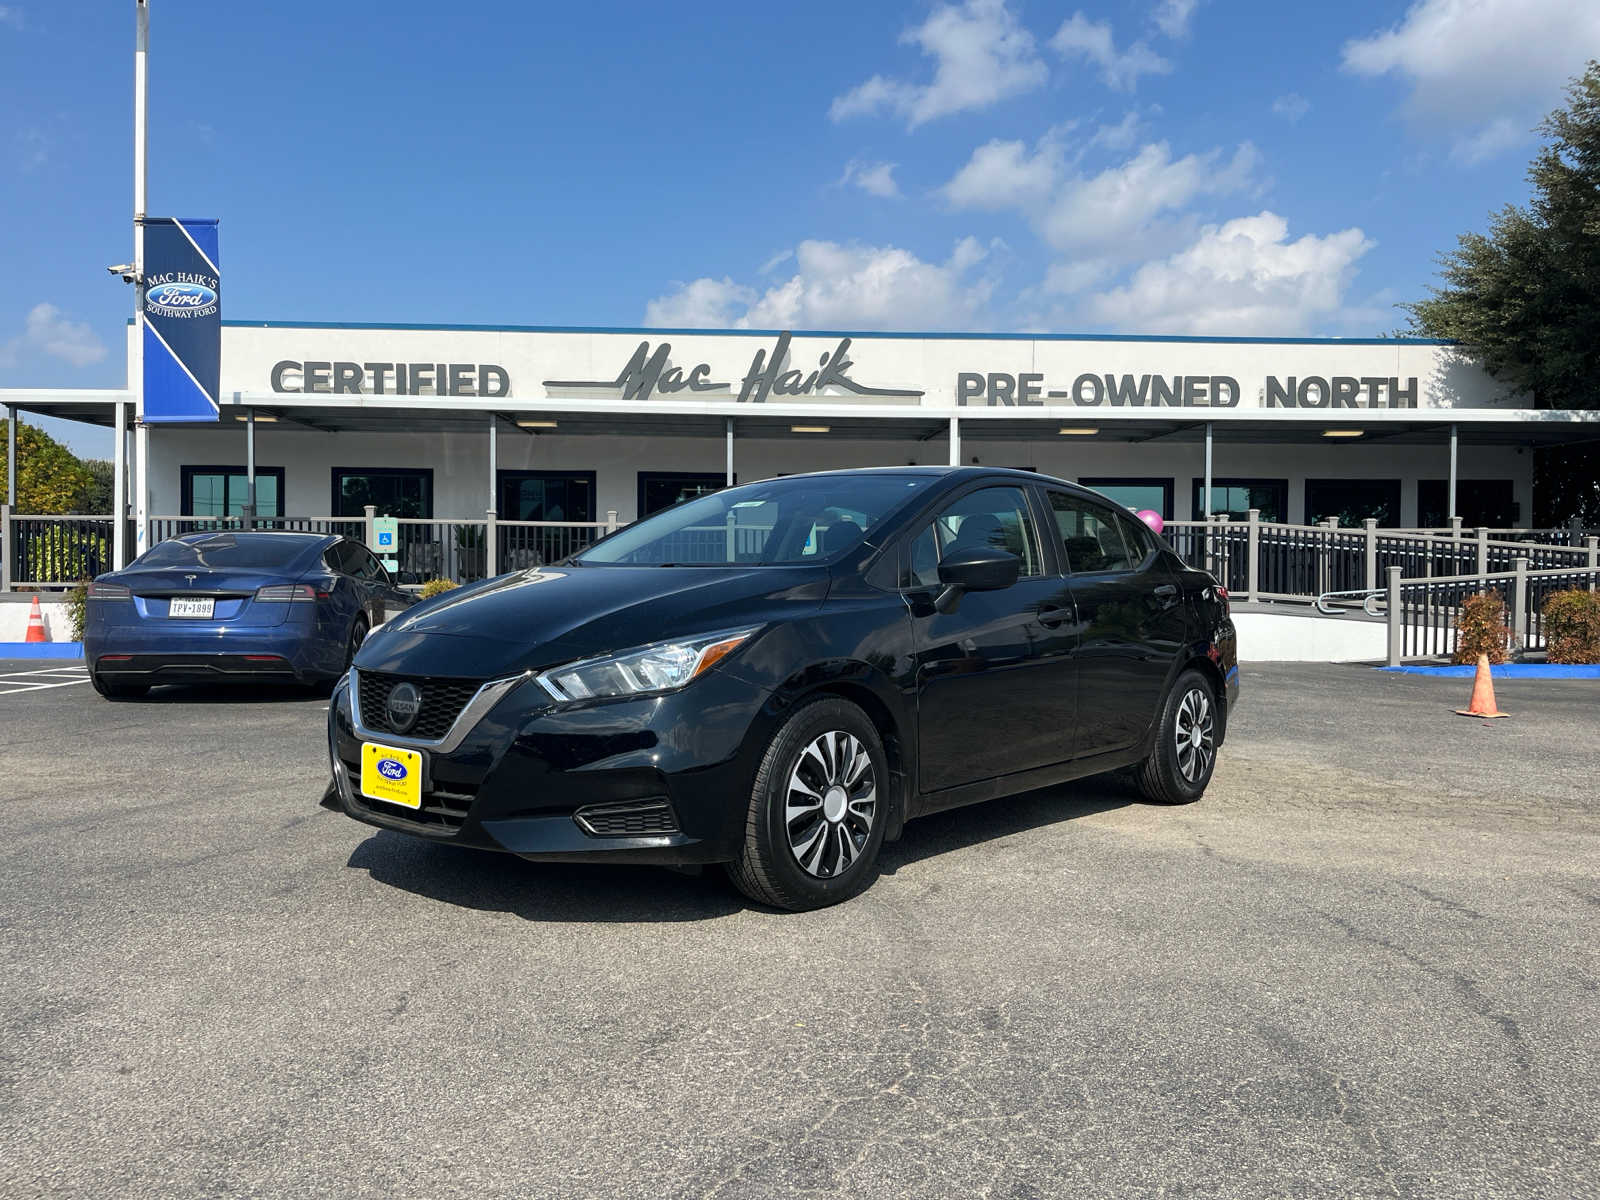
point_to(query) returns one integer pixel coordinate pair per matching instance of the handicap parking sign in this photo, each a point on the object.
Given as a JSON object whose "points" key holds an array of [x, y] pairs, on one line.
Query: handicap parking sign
{"points": [[385, 534]]}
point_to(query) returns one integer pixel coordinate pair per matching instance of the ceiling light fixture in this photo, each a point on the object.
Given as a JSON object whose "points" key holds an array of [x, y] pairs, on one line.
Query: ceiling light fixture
{"points": [[1078, 430], [810, 428], [1343, 432], [536, 424]]}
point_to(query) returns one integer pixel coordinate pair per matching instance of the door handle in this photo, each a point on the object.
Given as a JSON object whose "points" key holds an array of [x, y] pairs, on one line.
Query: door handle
{"points": [[1169, 593], [1051, 616]]}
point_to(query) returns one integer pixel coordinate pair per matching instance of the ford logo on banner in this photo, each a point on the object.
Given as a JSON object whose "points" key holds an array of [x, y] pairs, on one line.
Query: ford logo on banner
{"points": [[180, 297], [391, 768], [182, 317]]}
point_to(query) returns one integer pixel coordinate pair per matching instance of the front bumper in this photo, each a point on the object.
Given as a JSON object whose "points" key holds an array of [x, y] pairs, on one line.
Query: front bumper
{"points": [[663, 779]]}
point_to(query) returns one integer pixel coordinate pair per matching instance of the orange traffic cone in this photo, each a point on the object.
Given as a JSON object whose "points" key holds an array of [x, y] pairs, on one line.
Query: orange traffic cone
{"points": [[35, 624], [1482, 703]]}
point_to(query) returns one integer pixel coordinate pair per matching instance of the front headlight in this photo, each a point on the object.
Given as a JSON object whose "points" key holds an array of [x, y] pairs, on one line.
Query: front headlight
{"points": [[656, 668]]}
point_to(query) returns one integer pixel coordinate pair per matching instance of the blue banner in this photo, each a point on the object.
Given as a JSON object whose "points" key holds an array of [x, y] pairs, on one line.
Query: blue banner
{"points": [[182, 320]]}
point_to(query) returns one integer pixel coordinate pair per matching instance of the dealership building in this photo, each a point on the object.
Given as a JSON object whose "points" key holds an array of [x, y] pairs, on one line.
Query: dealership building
{"points": [[555, 424]]}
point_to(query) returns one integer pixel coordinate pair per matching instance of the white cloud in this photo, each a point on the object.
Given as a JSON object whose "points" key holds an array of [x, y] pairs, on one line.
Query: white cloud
{"points": [[1172, 17], [11, 15], [983, 56], [776, 261], [1242, 277], [1473, 65], [703, 304], [1080, 37], [843, 287], [1291, 106], [1120, 136], [1111, 209], [876, 179], [48, 331]]}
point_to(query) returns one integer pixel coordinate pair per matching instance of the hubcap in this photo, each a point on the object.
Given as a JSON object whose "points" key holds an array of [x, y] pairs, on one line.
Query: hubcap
{"points": [[1196, 748], [830, 803]]}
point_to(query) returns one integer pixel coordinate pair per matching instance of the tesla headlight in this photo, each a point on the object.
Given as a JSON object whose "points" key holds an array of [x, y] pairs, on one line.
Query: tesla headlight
{"points": [[660, 667]]}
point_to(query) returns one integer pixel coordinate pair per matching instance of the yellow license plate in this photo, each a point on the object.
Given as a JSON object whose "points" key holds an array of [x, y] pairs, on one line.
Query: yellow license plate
{"points": [[391, 774]]}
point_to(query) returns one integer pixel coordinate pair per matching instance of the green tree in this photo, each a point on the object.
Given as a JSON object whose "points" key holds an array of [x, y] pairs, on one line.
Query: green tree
{"points": [[95, 499], [49, 478], [1525, 297]]}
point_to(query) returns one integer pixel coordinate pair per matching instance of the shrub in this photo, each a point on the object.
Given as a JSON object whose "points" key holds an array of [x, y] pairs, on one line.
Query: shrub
{"points": [[1572, 627], [436, 587], [1481, 629], [76, 613]]}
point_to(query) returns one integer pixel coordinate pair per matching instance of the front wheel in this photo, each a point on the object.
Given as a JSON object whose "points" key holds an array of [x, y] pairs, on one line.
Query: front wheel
{"points": [[817, 810], [1185, 752]]}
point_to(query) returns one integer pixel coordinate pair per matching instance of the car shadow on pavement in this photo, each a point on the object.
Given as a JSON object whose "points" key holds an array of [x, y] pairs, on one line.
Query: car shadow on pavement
{"points": [[483, 879], [227, 693]]}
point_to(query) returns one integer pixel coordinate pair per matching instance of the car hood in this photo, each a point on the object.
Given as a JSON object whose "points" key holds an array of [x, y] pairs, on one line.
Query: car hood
{"points": [[536, 619]]}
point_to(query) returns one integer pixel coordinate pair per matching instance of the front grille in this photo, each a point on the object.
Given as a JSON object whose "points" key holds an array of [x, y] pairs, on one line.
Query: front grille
{"points": [[633, 819], [442, 702]]}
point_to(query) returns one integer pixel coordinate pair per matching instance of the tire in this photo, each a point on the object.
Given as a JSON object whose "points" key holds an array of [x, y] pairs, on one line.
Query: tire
{"points": [[358, 634], [118, 691], [1180, 766], [818, 851]]}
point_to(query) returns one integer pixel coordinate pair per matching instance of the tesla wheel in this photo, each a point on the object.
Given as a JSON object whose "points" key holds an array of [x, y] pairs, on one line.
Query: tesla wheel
{"points": [[358, 634], [817, 810], [118, 691], [1185, 754]]}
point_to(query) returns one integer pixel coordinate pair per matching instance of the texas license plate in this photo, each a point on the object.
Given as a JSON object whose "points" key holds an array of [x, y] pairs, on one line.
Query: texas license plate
{"points": [[391, 774], [191, 606]]}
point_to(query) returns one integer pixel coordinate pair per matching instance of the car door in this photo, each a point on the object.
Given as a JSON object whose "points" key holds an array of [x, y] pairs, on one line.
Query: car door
{"points": [[1130, 618], [993, 678], [383, 598]]}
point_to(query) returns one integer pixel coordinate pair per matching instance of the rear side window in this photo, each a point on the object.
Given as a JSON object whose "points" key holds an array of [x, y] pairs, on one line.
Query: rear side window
{"points": [[997, 516], [1141, 540], [1091, 535]]}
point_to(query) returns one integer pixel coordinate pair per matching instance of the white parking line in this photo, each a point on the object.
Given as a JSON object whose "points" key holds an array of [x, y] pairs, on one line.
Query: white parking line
{"points": [[13, 682]]}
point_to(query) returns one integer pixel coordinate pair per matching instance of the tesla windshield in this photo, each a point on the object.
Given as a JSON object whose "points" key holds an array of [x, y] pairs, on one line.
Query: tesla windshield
{"points": [[776, 522], [227, 550]]}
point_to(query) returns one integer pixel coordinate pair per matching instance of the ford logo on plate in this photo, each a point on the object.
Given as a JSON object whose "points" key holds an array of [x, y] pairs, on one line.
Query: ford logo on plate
{"points": [[179, 297], [391, 768]]}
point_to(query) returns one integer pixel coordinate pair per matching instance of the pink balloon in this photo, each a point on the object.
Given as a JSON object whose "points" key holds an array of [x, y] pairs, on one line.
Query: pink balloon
{"points": [[1151, 518]]}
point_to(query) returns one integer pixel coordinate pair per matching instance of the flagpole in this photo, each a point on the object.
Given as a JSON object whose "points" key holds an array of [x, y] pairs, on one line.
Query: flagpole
{"points": [[141, 433]]}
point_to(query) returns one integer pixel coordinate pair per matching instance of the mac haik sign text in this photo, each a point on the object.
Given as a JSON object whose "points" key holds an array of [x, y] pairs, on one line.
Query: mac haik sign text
{"points": [[1091, 390]]}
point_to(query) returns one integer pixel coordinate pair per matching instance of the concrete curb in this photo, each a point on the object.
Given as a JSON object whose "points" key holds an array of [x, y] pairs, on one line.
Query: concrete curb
{"points": [[1508, 671], [41, 650]]}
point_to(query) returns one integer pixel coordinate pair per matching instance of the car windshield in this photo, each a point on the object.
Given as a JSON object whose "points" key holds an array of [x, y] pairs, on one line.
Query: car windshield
{"points": [[225, 550], [803, 519]]}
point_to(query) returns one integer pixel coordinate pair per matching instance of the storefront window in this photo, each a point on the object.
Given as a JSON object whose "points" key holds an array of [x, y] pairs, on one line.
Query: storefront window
{"points": [[224, 491], [1234, 498], [1487, 502], [394, 492], [1353, 500], [1136, 494], [663, 489], [547, 496]]}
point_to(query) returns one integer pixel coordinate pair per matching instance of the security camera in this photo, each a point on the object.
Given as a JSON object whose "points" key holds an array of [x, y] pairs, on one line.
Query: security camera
{"points": [[128, 271]]}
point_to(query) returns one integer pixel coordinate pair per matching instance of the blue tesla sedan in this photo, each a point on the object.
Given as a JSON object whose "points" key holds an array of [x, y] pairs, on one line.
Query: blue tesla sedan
{"points": [[235, 606]]}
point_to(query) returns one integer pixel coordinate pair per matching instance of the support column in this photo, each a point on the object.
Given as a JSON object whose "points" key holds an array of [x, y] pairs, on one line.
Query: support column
{"points": [[141, 435], [491, 534], [955, 441], [11, 455], [119, 492], [250, 469], [728, 474], [1450, 505], [1205, 492]]}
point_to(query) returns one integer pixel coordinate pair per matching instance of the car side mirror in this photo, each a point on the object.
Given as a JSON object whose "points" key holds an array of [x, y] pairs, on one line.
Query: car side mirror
{"points": [[979, 569]]}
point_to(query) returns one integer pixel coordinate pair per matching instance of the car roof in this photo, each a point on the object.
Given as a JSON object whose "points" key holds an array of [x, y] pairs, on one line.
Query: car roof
{"points": [[936, 471], [282, 535]]}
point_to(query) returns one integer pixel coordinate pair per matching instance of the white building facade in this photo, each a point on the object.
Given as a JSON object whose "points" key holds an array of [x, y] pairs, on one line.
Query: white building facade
{"points": [[449, 422]]}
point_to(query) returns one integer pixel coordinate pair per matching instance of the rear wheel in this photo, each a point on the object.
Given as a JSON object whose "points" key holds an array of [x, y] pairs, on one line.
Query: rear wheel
{"points": [[1185, 753], [358, 634], [817, 810], [117, 691]]}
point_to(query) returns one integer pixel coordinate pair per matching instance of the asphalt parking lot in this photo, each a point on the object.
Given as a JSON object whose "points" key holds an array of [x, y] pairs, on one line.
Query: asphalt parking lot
{"points": [[1364, 965]]}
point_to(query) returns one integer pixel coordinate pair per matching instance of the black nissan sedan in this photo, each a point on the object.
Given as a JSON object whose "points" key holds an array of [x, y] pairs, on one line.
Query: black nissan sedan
{"points": [[778, 676]]}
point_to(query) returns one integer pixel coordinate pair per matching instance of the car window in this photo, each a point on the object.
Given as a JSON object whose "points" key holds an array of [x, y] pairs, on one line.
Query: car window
{"points": [[337, 556], [364, 565], [1091, 535], [1141, 541], [997, 516]]}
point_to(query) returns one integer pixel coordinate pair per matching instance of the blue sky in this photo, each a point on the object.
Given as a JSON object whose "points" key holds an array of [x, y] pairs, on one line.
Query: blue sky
{"points": [[1166, 166]]}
